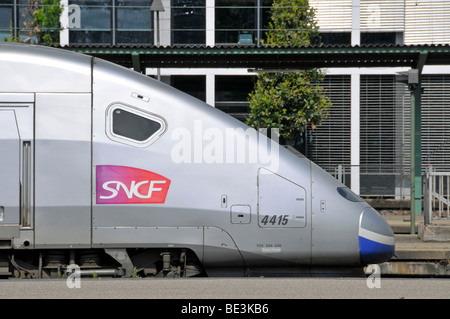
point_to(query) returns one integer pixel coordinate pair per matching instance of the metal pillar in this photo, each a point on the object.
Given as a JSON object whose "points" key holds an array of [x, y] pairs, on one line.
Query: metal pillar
{"points": [[416, 155], [157, 7], [415, 87]]}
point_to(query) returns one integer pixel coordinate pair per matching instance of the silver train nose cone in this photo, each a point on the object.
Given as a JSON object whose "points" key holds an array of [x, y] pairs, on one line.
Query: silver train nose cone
{"points": [[376, 238]]}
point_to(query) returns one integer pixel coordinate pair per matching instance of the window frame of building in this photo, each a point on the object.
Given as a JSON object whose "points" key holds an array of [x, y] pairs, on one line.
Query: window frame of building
{"points": [[231, 94], [112, 28], [334, 38], [380, 38], [194, 32], [194, 85], [7, 8], [241, 22]]}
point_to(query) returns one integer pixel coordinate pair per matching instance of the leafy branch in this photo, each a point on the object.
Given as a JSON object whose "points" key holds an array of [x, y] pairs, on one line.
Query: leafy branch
{"points": [[289, 101], [41, 22]]}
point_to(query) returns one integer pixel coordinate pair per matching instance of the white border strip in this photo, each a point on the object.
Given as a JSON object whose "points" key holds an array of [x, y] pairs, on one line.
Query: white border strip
{"points": [[382, 239]]}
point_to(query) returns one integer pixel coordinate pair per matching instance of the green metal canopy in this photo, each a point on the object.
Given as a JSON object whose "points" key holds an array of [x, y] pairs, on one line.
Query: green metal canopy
{"points": [[294, 58], [239, 56]]}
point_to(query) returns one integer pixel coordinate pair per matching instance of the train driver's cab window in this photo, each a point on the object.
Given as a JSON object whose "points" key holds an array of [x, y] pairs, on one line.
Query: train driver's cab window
{"points": [[132, 126], [348, 194]]}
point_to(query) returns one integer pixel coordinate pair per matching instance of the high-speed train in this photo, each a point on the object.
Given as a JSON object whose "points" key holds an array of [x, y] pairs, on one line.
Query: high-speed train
{"points": [[116, 173]]}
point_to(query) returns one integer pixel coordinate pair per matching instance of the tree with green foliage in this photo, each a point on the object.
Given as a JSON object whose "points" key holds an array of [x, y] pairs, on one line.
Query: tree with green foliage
{"points": [[48, 22], [289, 101], [13, 37], [41, 21]]}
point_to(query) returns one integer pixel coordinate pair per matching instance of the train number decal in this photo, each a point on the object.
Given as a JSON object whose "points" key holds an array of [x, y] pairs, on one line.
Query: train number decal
{"points": [[275, 220], [129, 185]]}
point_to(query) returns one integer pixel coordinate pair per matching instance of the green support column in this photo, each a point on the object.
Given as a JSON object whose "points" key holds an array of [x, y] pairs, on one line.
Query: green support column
{"points": [[416, 155], [414, 83]]}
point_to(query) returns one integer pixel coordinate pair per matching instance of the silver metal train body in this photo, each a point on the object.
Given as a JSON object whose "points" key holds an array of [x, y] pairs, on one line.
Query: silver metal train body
{"points": [[112, 171]]}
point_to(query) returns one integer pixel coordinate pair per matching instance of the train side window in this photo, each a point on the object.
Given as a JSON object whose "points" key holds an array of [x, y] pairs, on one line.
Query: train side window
{"points": [[132, 126], [348, 194]]}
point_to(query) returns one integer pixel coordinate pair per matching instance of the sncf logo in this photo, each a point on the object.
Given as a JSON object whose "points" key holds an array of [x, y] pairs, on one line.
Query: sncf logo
{"points": [[129, 185]]}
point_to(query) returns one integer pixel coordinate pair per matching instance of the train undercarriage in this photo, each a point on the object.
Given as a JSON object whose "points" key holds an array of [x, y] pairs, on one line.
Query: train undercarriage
{"points": [[60, 263]]}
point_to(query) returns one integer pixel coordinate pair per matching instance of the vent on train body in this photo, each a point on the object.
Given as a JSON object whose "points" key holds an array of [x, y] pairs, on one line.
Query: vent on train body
{"points": [[282, 203]]}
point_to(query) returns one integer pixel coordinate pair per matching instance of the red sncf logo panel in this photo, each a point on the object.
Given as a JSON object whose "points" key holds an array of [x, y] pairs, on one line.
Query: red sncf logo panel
{"points": [[129, 185]]}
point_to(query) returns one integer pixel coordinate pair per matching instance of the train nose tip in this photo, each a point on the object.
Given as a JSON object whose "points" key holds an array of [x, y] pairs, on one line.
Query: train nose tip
{"points": [[376, 238]]}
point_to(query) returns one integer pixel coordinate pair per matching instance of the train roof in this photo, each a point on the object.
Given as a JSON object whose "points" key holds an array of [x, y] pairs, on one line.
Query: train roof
{"points": [[35, 68], [27, 68]]}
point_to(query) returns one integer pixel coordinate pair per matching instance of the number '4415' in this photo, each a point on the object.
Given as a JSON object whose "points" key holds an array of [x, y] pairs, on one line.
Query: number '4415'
{"points": [[275, 220]]}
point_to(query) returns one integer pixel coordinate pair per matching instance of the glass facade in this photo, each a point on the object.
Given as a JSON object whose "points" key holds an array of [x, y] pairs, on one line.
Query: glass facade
{"points": [[94, 21], [375, 38], [194, 85], [334, 38], [232, 94], [16, 20], [6, 18], [134, 21], [242, 21], [188, 21], [110, 22]]}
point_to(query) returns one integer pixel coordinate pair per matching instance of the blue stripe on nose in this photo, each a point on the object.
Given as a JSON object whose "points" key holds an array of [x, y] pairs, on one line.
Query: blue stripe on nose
{"points": [[376, 238], [372, 252]]}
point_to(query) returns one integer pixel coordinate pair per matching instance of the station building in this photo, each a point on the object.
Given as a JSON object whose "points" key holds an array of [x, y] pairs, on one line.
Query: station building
{"points": [[364, 141]]}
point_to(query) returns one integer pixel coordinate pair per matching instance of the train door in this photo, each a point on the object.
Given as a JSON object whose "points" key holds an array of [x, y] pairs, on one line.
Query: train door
{"points": [[63, 170], [287, 211], [16, 170]]}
